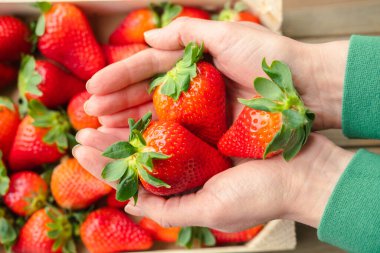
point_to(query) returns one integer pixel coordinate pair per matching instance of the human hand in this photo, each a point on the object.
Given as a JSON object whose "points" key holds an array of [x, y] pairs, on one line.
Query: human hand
{"points": [[237, 48]]}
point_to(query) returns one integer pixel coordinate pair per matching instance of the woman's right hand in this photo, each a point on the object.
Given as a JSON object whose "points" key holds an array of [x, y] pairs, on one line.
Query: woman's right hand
{"points": [[120, 90]]}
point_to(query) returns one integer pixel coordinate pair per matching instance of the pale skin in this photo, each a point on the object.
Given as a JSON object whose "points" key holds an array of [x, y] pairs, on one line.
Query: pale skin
{"points": [[253, 191]]}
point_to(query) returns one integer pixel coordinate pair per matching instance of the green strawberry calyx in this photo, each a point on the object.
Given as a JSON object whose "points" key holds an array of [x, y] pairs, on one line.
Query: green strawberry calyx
{"points": [[177, 80], [170, 12], [57, 122], [8, 229], [38, 27], [189, 235], [7, 103], [4, 179], [133, 159], [230, 13], [36, 201], [278, 95], [28, 81], [60, 230]]}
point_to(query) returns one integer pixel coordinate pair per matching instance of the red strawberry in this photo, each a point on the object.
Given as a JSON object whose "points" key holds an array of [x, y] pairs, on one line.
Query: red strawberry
{"points": [[166, 157], [237, 13], [159, 233], [237, 237], [276, 122], [117, 53], [46, 82], [9, 121], [47, 230], [193, 94], [74, 188], [113, 202], [132, 28], [69, 40], [173, 11], [78, 117], [42, 137], [14, 36], [4, 179], [111, 230], [8, 75], [27, 193]]}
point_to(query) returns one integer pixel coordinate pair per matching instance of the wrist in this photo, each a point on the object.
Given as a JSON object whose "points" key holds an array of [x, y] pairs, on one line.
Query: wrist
{"points": [[319, 168]]}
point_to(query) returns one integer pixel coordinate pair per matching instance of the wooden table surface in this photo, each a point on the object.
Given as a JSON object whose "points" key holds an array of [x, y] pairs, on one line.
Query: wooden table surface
{"points": [[321, 21]]}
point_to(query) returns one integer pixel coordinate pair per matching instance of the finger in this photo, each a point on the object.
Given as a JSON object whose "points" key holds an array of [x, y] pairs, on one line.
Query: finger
{"points": [[136, 94], [136, 68], [255, 26], [92, 160], [120, 119], [184, 30], [187, 210], [120, 133], [95, 139]]}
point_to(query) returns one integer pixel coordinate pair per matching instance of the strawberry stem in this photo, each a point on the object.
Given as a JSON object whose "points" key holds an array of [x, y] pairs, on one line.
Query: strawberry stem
{"points": [[4, 179], [188, 236]]}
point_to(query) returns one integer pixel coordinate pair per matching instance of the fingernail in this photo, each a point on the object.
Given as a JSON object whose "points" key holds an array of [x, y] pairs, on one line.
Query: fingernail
{"points": [[87, 108], [78, 136], [132, 209], [151, 33], [75, 149], [88, 84]]}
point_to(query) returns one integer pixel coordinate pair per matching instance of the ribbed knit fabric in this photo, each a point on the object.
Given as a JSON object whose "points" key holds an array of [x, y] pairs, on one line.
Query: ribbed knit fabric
{"points": [[361, 96], [351, 220]]}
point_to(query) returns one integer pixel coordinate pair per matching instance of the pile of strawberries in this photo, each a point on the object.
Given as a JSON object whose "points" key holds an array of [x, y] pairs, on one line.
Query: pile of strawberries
{"points": [[50, 202]]}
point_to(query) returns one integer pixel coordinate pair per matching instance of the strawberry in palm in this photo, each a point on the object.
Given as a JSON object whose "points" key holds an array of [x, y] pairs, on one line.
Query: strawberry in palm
{"points": [[274, 122], [27, 193], [42, 137], [75, 188], [192, 94], [237, 13], [113, 202], [166, 157], [67, 38], [111, 230], [9, 121], [44, 81]]}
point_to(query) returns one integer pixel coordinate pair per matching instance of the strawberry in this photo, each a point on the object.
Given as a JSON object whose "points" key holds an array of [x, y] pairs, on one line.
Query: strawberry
{"points": [[8, 75], [236, 237], [78, 117], [113, 202], [27, 193], [44, 81], [237, 13], [75, 188], [68, 39], [166, 157], [192, 94], [276, 122], [42, 137], [159, 233], [4, 179], [14, 35], [111, 230], [9, 121], [47, 230], [173, 11], [117, 53], [132, 28]]}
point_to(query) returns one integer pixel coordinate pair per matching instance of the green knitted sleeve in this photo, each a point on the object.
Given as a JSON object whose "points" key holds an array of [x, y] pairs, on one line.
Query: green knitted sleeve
{"points": [[361, 94]]}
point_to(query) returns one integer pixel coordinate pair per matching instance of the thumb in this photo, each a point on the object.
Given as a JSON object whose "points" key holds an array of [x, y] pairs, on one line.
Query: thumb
{"points": [[184, 30]]}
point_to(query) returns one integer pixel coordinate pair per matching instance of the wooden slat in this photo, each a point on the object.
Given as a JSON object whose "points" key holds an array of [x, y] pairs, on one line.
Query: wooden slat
{"points": [[335, 18]]}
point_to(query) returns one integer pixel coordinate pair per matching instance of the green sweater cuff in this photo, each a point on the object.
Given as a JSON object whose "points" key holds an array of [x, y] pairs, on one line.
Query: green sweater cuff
{"points": [[351, 220], [361, 94]]}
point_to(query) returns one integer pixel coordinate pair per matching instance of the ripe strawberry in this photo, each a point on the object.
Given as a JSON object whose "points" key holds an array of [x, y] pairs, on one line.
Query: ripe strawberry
{"points": [[276, 122], [47, 230], [78, 117], [132, 28], [159, 233], [237, 237], [166, 157], [42, 137], [27, 193], [46, 82], [113, 202], [117, 53], [4, 179], [74, 188], [8, 75], [173, 11], [111, 230], [69, 40], [192, 94], [14, 35], [9, 121], [237, 13]]}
